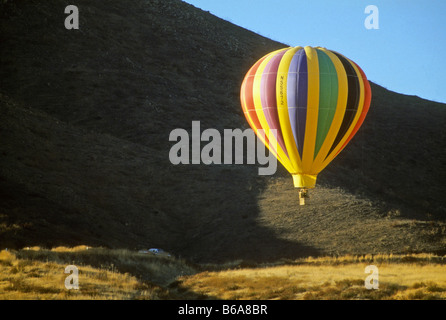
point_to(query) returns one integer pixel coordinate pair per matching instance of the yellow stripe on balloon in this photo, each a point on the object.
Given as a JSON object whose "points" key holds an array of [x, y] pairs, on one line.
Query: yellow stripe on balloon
{"points": [[312, 110], [339, 113], [282, 109], [261, 136], [279, 152]]}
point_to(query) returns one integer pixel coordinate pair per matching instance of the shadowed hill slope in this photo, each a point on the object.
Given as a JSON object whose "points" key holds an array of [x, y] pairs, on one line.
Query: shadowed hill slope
{"points": [[85, 122]]}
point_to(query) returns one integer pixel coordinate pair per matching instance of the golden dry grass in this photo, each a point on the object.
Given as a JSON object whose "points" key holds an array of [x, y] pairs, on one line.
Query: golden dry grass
{"points": [[36, 273], [31, 279], [400, 277]]}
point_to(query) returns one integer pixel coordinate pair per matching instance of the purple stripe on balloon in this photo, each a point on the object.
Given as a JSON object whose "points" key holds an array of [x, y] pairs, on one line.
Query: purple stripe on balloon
{"points": [[297, 91], [268, 96]]}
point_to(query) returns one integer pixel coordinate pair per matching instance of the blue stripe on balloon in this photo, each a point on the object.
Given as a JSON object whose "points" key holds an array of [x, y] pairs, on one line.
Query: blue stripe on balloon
{"points": [[297, 92]]}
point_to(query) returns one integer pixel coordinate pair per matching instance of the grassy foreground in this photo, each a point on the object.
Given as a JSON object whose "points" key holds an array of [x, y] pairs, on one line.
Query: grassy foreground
{"points": [[36, 273], [399, 277]]}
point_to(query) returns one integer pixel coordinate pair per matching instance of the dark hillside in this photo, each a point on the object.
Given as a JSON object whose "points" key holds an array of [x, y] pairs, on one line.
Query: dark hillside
{"points": [[84, 128]]}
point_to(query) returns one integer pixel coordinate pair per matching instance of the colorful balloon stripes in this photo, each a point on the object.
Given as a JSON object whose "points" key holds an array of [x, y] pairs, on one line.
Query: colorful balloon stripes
{"points": [[313, 99]]}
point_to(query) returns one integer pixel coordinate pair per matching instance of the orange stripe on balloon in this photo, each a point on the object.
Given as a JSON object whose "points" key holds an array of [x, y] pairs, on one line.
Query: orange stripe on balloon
{"points": [[247, 99]]}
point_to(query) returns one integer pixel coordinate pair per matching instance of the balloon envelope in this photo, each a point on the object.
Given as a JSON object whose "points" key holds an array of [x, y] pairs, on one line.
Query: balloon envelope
{"points": [[314, 100]]}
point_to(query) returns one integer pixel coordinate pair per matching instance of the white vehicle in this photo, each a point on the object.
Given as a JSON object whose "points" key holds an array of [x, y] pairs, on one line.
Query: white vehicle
{"points": [[156, 251]]}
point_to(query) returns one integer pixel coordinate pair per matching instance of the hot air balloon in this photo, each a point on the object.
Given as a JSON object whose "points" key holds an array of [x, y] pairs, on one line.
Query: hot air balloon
{"points": [[313, 99]]}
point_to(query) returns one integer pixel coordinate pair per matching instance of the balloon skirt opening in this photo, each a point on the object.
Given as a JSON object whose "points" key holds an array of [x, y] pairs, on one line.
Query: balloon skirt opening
{"points": [[304, 180]]}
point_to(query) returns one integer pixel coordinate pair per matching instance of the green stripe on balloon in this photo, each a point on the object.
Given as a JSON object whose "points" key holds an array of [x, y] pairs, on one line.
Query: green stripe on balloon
{"points": [[328, 97]]}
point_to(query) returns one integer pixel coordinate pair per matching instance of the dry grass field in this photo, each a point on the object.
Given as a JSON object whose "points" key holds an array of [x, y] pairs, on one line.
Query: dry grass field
{"points": [[399, 277], [31, 279], [38, 274]]}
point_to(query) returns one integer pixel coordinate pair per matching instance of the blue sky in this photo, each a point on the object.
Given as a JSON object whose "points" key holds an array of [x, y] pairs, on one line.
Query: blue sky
{"points": [[406, 54]]}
